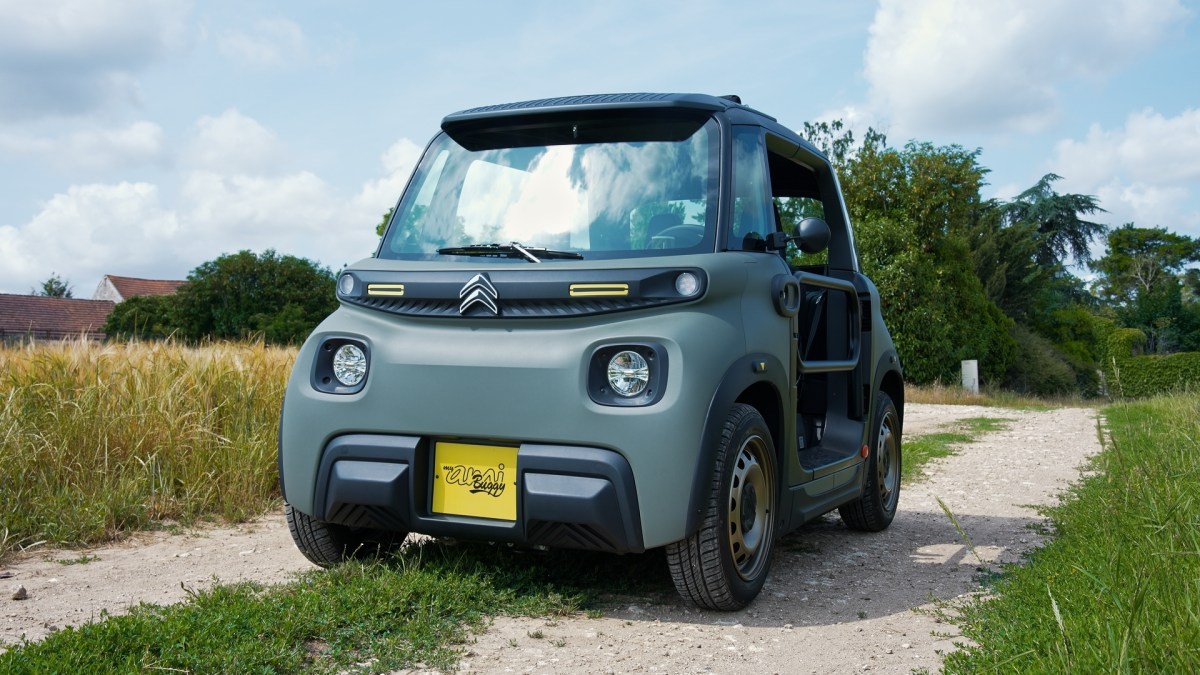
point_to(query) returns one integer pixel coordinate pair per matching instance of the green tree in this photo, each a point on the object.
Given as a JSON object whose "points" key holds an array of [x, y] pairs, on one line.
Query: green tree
{"points": [[241, 295], [55, 287], [914, 209], [383, 223], [1061, 231], [831, 138], [1143, 280], [144, 317]]}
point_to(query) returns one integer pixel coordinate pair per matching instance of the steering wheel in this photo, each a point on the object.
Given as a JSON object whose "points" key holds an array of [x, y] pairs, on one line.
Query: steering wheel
{"points": [[677, 236]]}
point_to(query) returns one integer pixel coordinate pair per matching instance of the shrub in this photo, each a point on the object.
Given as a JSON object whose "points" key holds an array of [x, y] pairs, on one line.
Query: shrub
{"points": [[1131, 376], [1039, 368]]}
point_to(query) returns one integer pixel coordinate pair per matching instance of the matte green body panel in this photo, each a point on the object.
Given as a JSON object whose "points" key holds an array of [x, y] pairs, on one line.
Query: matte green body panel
{"points": [[524, 381]]}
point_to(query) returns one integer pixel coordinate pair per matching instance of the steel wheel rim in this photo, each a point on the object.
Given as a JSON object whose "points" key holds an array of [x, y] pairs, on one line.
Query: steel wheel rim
{"points": [[887, 464], [751, 502]]}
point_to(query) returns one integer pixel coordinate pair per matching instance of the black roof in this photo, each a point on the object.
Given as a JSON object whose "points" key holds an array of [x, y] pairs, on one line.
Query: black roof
{"points": [[482, 117], [592, 102]]}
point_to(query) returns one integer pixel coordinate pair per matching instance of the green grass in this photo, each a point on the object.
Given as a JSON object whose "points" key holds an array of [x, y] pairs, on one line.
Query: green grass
{"points": [[919, 450], [415, 609], [1118, 589], [96, 440]]}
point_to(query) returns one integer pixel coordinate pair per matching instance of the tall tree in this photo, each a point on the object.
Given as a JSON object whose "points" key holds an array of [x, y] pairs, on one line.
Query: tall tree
{"points": [[832, 138], [1142, 277], [281, 298], [55, 287], [913, 209], [1061, 229]]}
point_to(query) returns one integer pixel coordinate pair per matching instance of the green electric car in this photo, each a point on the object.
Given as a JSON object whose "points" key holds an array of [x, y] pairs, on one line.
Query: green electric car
{"points": [[609, 322]]}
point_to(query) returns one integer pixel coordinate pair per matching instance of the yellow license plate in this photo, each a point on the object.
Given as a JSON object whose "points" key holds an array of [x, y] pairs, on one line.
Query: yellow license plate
{"points": [[475, 480]]}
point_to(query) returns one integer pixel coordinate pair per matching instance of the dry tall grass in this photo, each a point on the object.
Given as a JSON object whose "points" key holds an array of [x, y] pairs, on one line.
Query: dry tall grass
{"points": [[100, 439], [1000, 398]]}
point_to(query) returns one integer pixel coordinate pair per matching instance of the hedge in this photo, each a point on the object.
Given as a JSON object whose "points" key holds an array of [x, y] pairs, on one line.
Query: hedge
{"points": [[1132, 376]]}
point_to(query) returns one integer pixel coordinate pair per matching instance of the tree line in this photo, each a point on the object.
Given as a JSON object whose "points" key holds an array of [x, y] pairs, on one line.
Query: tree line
{"points": [[963, 277], [244, 295]]}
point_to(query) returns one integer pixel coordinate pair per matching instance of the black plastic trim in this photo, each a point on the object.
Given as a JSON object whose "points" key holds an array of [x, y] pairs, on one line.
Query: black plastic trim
{"points": [[526, 293], [590, 102], [656, 358], [322, 378], [740, 376], [571, 497]]}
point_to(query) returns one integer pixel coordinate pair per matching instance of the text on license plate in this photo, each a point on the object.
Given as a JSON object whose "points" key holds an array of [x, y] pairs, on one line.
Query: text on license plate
{"points": [[475, 480]]}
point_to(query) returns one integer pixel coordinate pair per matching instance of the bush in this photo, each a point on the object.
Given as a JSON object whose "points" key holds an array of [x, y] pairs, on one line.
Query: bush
{"points": [[143, 317], [1131, 376], [244, 295], [1039, 368]]}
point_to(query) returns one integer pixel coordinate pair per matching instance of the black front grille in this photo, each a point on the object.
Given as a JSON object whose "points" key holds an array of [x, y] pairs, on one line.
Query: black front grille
{"points": [[517, 309]]}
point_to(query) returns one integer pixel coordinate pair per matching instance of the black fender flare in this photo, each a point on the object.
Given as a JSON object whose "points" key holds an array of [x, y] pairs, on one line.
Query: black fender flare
{"points": [[744, 373], [887, 363]]}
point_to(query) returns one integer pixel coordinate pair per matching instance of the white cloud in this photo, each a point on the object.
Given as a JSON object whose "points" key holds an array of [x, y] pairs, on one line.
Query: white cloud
{"points": [[234, 143], [138, 144], [272, 43], [96, 229], [235, 194], [73, 57], [1145, 172], [86, 231], [377, 196], [961, 65]]}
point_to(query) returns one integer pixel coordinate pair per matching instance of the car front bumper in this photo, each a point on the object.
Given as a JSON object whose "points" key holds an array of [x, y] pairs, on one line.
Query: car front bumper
{"points": [[568, 496]]}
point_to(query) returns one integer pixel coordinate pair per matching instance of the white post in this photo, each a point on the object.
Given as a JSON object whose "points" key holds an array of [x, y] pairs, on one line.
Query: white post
{"points": [[970, 376]]}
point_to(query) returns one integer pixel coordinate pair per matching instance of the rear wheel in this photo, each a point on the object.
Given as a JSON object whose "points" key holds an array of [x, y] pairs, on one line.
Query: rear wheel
{"points": [[724, 564], [876, 508], [329, 544]]}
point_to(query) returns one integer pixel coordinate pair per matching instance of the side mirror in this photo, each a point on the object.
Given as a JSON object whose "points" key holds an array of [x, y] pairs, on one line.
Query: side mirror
{"points": [[812, 235]]}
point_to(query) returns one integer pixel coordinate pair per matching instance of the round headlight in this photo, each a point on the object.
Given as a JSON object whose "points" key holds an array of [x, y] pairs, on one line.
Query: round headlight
{"points": [[686, 284], [349, 365], [346, 284], [628, 373]]}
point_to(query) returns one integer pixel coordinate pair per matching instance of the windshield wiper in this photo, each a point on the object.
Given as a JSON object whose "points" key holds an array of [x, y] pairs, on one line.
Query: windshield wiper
{"points": [[533, 254]]}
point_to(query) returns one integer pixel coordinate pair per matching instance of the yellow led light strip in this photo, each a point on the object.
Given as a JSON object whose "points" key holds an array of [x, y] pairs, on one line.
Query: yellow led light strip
{"points": [[599, 290], [385, 289]]}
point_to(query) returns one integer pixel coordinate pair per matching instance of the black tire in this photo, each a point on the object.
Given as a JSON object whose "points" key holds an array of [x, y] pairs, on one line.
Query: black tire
{"points": [[874, 511], [724, 564], [330, 544]]}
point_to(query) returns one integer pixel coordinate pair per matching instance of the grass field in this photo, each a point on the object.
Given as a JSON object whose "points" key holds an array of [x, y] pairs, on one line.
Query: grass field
{"points": [[1118, 589], [100, 439]]}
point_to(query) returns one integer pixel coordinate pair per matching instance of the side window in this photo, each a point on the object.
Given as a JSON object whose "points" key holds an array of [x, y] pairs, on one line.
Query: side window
{"points": [[753, 216], [795, 195]]}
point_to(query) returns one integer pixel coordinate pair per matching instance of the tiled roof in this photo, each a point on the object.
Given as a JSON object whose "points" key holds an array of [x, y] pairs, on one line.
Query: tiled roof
{"points": [[51, 318], [130, 287]]}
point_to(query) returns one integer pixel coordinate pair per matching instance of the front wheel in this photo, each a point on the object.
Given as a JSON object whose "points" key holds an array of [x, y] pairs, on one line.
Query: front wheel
{"points": [[724, 564], [874, 511], [329, 544]]}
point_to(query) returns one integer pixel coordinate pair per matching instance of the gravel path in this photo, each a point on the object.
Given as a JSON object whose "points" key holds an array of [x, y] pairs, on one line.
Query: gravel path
{"points": [[836, 600]]}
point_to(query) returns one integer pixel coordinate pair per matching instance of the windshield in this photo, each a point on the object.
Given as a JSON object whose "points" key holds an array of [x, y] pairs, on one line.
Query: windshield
{"points": [[609, 188]]}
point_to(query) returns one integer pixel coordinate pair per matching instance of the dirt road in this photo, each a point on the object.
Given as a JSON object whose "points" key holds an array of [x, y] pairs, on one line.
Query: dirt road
{"points": [[836, 601]]}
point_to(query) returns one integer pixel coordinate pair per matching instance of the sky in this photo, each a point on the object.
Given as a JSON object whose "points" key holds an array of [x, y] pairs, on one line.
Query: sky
{"points": [[144, 137]]}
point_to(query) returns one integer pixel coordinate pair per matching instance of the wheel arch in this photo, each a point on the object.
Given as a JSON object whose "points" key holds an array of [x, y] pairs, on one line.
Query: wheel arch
{"points": [[891, 382], [755, 380]]}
